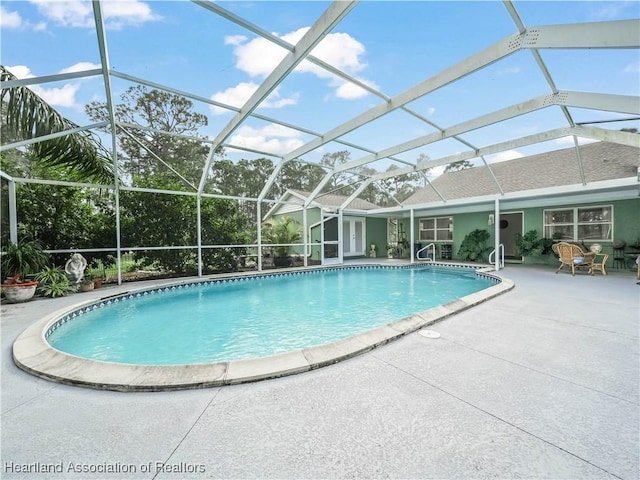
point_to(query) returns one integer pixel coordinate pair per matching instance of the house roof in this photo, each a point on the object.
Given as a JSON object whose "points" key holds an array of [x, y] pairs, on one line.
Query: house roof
{"points": [[295, 199], [333, 200], [600, 161]]}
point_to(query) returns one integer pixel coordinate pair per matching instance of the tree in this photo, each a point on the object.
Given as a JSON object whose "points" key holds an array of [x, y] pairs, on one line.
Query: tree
{"points": [[299, 176], [457, 166], [342, 182], [60, 217], [27, 116], [146, 152], [403, 186], [164, 220], [160, 220]]}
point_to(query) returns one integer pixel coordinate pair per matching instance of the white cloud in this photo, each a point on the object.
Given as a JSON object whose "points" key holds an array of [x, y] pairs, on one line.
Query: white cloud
{"points": [[436, 171], [632, 68], [504, 156], [79, 14], [20, 71], [568, 141], [274, 139], [510, 71], [238, 95], [258, 57], [64, 96], [614, 9], [13, 21], [350, 91], [274, 100], [80, 67], [10, 19]]}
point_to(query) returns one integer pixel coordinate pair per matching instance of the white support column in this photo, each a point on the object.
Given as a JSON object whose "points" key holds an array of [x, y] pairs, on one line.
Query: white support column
{"points": [[340, 239], [199, 232], [411, 236], [321, 236], [106, 68], [305, 236], [13, 213], [496, 226], [259, 232]]}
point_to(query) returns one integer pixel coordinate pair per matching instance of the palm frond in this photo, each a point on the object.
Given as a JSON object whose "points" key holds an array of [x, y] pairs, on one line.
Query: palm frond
{"points": [[81, 153]]}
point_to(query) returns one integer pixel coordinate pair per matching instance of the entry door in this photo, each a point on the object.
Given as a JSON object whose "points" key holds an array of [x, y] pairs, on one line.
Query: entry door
{"points": [[511, 224], [330, 239], [353, 240]]}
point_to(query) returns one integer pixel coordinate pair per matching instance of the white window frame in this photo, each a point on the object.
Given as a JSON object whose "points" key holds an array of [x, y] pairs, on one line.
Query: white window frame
{"points": [[575, 224], [436, 229]]}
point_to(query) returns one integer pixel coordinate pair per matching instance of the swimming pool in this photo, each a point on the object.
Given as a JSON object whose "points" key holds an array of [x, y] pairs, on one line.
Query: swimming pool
{"points": [[257, 316], [244, 328]]}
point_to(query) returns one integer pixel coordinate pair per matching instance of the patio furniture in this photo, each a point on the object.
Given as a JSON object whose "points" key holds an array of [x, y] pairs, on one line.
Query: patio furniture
{"points": [[573, 256], [599, 263]]}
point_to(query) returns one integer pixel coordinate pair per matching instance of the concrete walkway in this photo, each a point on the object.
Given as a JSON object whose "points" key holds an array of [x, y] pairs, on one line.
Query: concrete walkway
{"points": [[540, 382]]}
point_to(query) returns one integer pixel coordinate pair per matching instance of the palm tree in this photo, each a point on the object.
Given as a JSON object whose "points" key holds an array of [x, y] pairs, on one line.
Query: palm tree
{"points": [[282, 231], [28, 116]]}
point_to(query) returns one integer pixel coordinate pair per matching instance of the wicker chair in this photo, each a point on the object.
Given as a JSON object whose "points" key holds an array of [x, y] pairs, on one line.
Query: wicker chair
{"points": [[573, 256]]}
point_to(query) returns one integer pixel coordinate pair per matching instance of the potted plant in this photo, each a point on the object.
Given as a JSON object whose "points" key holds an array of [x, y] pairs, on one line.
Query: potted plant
{"points": [[87, 283], [52, 282], [17, 290], [17, 264], [281, 232]]}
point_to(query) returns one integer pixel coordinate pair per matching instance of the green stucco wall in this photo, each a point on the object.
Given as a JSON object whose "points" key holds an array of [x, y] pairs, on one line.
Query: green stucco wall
{"points": [[376, 232], [626, 223]]}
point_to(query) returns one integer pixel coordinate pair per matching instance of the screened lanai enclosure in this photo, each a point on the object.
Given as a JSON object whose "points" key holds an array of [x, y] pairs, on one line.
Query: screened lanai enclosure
{"points": [[184, 138]]}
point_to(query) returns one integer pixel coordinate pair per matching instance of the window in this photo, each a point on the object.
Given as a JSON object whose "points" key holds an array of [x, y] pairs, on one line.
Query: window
{"points": [[436, 229], [579, 223]]}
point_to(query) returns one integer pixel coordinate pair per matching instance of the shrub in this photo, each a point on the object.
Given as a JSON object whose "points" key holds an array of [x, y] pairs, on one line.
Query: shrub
{"points": [[528, 245], [26, 259], [473, 248], [53, 282]]}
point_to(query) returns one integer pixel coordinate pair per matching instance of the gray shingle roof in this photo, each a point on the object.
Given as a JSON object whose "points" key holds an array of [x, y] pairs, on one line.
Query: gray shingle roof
{"points": [[601, 161]]}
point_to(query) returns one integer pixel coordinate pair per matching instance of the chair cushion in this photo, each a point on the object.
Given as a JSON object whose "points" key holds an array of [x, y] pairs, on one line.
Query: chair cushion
{"points": [[578, 260]]}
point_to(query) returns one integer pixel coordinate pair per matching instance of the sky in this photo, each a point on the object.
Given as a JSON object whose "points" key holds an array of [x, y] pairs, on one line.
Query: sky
{"points": [[390, 46]]}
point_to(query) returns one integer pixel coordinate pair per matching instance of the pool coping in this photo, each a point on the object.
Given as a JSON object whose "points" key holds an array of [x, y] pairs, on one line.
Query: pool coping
{"points": [[33, 354]]}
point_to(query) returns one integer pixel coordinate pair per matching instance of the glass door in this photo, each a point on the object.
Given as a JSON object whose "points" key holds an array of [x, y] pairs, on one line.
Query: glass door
{"points": [[353, 241]]}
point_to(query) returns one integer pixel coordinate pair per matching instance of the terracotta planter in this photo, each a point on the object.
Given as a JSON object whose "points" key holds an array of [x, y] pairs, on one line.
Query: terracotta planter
{"points": [[97, 283], [19, 292]]}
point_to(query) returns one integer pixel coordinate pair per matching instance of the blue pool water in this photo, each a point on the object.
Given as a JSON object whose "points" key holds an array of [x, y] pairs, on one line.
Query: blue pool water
{"points": [[258, 316]]}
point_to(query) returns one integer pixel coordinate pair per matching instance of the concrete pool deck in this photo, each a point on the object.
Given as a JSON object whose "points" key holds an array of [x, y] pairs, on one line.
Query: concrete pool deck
{"points": [[541, 382]]}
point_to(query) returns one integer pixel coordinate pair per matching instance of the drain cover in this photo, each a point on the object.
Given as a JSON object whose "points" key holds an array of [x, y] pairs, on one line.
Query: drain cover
{"points": [[429, 334]]}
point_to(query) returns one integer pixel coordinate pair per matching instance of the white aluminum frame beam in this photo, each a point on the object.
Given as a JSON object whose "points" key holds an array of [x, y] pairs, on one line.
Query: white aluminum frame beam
{"points": [[329, 19], [597, 101], [104, 60], [58, 77], [355, 194], [208, 101], [50, 136], [585, 35]]}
